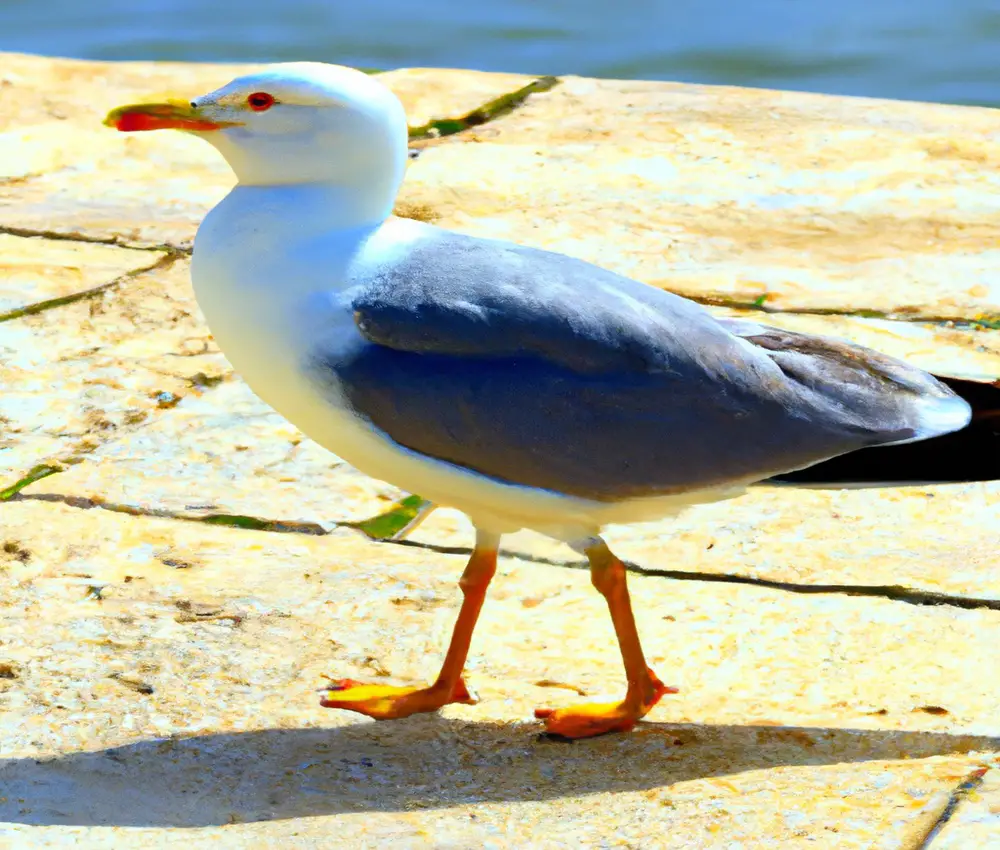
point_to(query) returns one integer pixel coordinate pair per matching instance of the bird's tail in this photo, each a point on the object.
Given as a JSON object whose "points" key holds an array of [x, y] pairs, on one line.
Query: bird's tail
{"points": [[970, 454]]}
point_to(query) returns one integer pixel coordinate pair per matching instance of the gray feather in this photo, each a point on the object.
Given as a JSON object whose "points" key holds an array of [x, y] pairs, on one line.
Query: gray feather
{"points": [[543, 370]]}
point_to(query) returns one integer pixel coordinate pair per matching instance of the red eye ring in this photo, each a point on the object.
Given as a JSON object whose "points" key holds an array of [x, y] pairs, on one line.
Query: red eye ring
{"points": [[260, 101]]}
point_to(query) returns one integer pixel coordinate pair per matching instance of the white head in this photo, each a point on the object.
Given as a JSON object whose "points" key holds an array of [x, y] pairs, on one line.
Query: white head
{"points": [[293, 123]]}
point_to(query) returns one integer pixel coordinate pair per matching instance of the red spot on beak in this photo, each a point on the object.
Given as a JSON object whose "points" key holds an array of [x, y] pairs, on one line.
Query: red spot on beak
{"points": [[160, 116], [133, 122]]}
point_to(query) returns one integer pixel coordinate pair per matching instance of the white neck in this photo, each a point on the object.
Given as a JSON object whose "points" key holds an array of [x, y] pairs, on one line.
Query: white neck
{"points": [[357, 170], [319, 207]]}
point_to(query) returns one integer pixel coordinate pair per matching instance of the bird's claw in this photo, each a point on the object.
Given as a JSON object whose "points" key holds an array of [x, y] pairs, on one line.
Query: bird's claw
{"points": [[589, 719], [388, 702]]}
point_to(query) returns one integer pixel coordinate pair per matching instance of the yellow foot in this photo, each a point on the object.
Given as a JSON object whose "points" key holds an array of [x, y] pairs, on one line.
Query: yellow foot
{"points": [[590, 719], [386, 702]]}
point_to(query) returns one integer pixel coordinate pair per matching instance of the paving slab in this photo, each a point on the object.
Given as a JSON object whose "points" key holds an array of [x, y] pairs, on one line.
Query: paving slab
{"points": [[162, 675], [88, 371], [799, 201], [158, 669]]}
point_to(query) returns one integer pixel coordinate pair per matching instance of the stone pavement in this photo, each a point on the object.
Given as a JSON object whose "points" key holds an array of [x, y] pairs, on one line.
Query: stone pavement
{"points": [[180, 568]]}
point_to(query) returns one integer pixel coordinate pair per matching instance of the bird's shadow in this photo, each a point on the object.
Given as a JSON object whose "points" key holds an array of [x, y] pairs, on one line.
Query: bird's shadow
{"points": [[427, 762]]}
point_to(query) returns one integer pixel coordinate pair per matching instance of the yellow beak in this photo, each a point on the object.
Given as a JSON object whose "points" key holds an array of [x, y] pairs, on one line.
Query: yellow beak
{"points": [[170, 115]]}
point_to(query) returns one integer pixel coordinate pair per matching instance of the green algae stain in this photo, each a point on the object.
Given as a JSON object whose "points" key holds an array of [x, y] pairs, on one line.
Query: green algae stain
{"points": [[482, 114], [387, 525], [37, 473], [237, 521]]}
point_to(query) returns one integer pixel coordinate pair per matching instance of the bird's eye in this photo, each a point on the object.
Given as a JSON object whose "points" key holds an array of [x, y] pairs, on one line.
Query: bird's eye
{"points": [[260, 101]]}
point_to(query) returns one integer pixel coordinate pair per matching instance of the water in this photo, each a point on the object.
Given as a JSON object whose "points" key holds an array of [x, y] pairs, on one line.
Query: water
{"points": [[938, 50]]}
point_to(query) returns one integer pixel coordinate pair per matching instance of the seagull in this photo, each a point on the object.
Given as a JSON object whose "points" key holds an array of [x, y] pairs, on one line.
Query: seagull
{"points": [[525, 388]]}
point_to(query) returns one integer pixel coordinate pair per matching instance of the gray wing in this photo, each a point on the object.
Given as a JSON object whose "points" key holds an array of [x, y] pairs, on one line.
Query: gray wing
{"points": [[542, 370]]}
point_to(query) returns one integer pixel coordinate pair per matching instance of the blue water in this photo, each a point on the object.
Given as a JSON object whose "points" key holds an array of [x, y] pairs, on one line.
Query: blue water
{"points": [[940, 50]]}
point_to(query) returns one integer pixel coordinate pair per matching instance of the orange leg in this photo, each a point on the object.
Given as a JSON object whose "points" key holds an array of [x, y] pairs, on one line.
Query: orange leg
{"points": [[644, 689], [386, 702]]}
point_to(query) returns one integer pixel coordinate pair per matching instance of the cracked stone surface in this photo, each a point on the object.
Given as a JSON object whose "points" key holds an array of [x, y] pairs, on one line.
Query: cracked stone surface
{"points": [[219, 637], [98, 367], [158, 673], [807, 201], [33, 271], [976, 821]]}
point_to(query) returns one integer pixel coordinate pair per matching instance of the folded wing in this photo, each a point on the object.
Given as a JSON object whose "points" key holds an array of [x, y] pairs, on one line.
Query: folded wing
{"points": [[542, 370]]}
